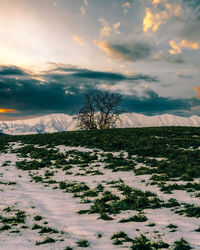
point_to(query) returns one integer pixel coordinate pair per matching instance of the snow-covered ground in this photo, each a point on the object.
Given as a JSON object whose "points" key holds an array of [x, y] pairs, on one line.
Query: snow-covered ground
{"points": [[60, 209]]}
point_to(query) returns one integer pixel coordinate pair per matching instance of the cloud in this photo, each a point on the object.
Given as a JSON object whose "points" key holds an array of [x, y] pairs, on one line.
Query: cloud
{"points": [[190, 30], [129, 72], [155, 2], [169, 59], [66, 84], [12, 71], [174, 10], [184, 76], [127, 4], [62, 90], [85, 2], [150, 103], [197, 89], [115, 27], [108, 76], [78, 40], [83, 10], [125, 52], [195, 4], [177, 47], [189, 44], [106, 29], [152, 21]]}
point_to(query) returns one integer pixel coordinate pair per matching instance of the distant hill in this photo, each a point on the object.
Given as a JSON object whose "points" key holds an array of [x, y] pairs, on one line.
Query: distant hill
{"points": [[61, 122]]}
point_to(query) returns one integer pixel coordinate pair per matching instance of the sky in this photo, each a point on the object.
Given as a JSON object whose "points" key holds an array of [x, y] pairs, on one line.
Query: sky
{"points": [[53, 52]]}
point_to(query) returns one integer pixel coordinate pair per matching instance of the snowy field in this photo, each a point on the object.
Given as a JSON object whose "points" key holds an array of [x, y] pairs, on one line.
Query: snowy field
{"points": [[51, 207]]}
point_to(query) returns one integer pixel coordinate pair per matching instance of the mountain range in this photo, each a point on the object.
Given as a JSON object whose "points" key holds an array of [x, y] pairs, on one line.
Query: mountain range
{"points": [[62, 122]]}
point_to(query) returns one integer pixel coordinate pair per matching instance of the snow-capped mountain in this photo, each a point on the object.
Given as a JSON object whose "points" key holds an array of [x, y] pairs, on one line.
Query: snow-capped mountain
{"points": [[43, 124], [62, 122]]}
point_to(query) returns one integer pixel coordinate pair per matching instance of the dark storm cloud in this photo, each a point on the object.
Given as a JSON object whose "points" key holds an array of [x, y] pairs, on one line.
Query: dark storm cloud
{"points": [[185, 76], [63, 93], [151, 103], [134, 52], [99, 75], [176, 59], [127, 52], [195, 4], [29, 96], [11, 70]]}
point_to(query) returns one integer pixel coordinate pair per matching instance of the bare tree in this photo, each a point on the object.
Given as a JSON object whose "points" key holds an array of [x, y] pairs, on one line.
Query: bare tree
{"points": [[99, 111]]}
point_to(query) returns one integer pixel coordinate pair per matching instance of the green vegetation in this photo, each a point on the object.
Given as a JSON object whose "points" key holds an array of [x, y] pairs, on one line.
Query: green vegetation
{"points": [[133, 199], [18, 218], [135, 218], [45, 241], [189, 210], [169, 156], [83, 243], [172, 227], [178, 146], [181, 245], [9, 183], [48, 230], [139, 243], [37, 218], [120, 237]]}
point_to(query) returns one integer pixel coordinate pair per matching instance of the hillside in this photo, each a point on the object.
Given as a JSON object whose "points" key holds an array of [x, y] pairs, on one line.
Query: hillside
{"points": [[62, 122], [123, 188]]}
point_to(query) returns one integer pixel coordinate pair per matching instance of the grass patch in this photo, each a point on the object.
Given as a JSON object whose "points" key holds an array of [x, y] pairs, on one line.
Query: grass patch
{"points": [[47, 240], [82, 243], [181, 245], [135, 218]]}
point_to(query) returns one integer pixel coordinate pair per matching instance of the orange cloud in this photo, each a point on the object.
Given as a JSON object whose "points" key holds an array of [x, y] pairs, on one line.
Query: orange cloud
{"points": [[177, 47], [155, 2], [174, 10], [116, 26], [197, 89], [106, 29], [109, 50], [153, 21], [190, 44], [127, 4], [78, 39], [85, 2], [8, 111], [83, 10]]}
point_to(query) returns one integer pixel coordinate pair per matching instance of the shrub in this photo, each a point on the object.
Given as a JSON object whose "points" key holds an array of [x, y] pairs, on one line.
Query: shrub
{"points": [[45, 241], [83, 243], [181, 245], [135, 218]]}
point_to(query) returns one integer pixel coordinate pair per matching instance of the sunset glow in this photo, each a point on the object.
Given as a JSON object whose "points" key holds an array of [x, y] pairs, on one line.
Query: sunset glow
{"points": [[52, 52], [8, 111]]}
